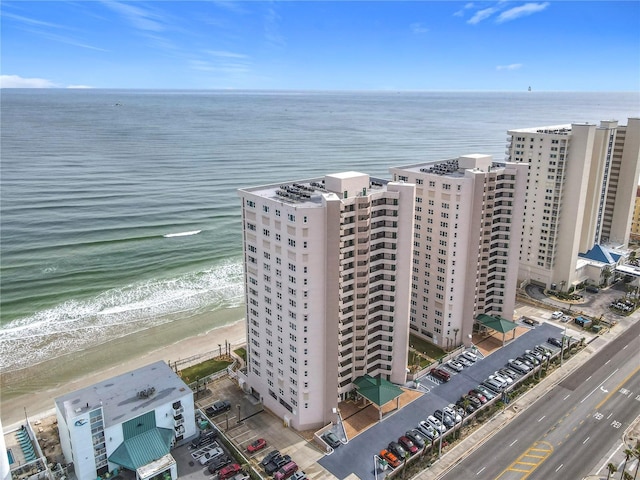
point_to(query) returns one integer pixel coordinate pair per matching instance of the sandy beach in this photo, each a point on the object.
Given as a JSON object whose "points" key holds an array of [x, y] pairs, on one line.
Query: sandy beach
{"points": [[33, 390]]}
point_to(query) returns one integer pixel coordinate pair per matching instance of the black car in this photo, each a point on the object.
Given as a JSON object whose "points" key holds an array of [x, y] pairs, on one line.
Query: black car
{"points": [[416, 437], [276, 464], [270, 456], [217, 408], [470, 408], [397, 450], [205, 438], [555, 342], [217, 463], [331, 439]]}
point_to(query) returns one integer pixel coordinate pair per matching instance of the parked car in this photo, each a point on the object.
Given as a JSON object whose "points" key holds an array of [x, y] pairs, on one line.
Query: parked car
{"points": [[257, 445], [557, 314], [286, 471], [556, 342], [440, 374], [477, 394], [269, 456], [467, 405], [493, 386], [276, 464], [451, 411], [508, 372], [532, 359], [217, 463], [519, 366], [416, 437], [299, 475], [592, 289], [526, 361], [390, 458], [446, 420], [397, 450], [437, 424], [535, 353], [217, 408], [229, 471], [464, 361], [502, 377], [428, 430], [209, 455], [408, 445], [332, 439], [488, 394], [455, 366], [528, 321], [472, 357], [205, 438]]}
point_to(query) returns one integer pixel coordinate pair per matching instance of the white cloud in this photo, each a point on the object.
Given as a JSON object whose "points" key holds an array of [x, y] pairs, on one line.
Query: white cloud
{"points": [[30, 21], [418, 28], [513, 66], [140, 18], [460, 12], [225, 54], [481, 15], [521, 11], [272, 28], [16, 81]]}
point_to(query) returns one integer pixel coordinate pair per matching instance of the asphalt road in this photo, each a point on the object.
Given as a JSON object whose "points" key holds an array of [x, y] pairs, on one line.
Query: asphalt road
{"points": [[357, 456], [568, 430]]}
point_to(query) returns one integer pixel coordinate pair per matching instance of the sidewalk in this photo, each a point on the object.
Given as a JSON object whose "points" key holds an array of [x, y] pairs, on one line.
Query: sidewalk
{"points": [[484, 433]]}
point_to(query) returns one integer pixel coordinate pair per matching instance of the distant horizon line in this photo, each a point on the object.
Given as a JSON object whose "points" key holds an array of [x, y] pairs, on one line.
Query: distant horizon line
{"points": [[304, 90]]}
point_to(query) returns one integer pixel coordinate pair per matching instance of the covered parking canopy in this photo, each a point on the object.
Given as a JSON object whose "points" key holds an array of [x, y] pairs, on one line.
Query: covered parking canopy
{"points": [[377, 390], [499, 324]]}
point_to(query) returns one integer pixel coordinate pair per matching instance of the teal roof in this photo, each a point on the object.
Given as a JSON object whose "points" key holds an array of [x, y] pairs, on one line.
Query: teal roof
{"points": [[601, 254], [499, 324], [378, 390], [142, 449]]}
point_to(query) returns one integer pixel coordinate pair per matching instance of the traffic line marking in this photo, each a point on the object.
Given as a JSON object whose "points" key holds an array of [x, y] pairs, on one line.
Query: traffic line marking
{"points": [[614, 390], [538, 452]]}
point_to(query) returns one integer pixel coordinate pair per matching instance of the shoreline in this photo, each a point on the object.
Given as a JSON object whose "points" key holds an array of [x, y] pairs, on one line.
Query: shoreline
{"points": [[32, 391]]}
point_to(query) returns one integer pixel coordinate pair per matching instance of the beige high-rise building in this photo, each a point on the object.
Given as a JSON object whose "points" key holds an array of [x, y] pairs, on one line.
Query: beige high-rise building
{"points": [[635, 219], [328, 278], [580, 192], [467, 219]]}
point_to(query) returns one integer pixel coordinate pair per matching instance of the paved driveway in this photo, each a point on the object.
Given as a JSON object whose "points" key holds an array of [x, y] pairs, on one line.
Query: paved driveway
{"points": [[357, 456]]}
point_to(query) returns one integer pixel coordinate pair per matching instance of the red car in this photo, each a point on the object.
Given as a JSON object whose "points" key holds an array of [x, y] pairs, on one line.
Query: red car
{"points": [[229, 471], [408, 445], [259, 444]]}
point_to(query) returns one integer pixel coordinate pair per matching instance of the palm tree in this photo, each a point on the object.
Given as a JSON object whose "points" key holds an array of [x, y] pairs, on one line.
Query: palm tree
{"points": [[612, 469], [455, 337], [628, 453], [626, 476]]}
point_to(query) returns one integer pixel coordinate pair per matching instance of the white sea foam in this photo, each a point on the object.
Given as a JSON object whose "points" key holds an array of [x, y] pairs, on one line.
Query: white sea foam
{"points": [[76, 325], [182, 234]]}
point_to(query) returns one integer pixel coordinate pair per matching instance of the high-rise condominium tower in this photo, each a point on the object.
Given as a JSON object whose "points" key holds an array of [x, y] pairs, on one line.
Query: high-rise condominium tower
{"points": [[580, 192], [465, 246], [328, 278]]}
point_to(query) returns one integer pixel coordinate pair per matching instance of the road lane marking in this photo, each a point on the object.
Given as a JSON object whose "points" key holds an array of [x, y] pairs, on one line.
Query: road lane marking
{"points": [[586, 440], [607, 361], [625, 346], [614, 390], [588, 378], [531, 459], [606, 462], [481, 470], [566, 397], [601, 383], [541, 418], [561, 465], [513, 443]]}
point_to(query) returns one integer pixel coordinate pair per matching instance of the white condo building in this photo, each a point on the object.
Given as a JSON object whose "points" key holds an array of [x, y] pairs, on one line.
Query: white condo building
{"points": [[328, 278], [580, 192], [465, 246], [130, 422]]}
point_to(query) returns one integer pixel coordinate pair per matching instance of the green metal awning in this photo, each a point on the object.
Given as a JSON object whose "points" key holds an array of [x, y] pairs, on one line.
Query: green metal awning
{"points": [[142, 449], [498, 324], [377, 390]]}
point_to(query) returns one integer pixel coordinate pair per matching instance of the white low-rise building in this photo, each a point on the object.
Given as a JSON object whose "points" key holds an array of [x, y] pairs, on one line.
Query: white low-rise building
{"points": [[131, 422]]}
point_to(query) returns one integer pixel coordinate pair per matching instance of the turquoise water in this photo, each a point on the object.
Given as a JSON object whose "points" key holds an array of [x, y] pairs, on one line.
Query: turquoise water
{"points": [[95, 183]]}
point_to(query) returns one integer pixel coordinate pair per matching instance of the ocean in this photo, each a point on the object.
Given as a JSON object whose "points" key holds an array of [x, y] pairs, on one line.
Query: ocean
{"points": [[119, 209]]}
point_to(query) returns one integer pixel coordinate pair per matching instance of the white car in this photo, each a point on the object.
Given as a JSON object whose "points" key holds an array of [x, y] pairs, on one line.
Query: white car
{"points": [[472, 357], [556, 315], [452, 413], [453, 365], [437, 424], [210, 455], [502, 377]]}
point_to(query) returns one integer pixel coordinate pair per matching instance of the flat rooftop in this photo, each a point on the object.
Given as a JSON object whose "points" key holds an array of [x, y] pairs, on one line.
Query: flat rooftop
{"points": [[126, 396], [308, 192]]}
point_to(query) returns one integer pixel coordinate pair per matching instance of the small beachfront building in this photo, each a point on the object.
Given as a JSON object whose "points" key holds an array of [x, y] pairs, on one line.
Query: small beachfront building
{"points": [[130, 422]]}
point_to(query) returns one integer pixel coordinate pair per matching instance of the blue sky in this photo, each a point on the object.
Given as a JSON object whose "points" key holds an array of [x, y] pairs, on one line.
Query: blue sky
{"points": [[319, 45]]}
